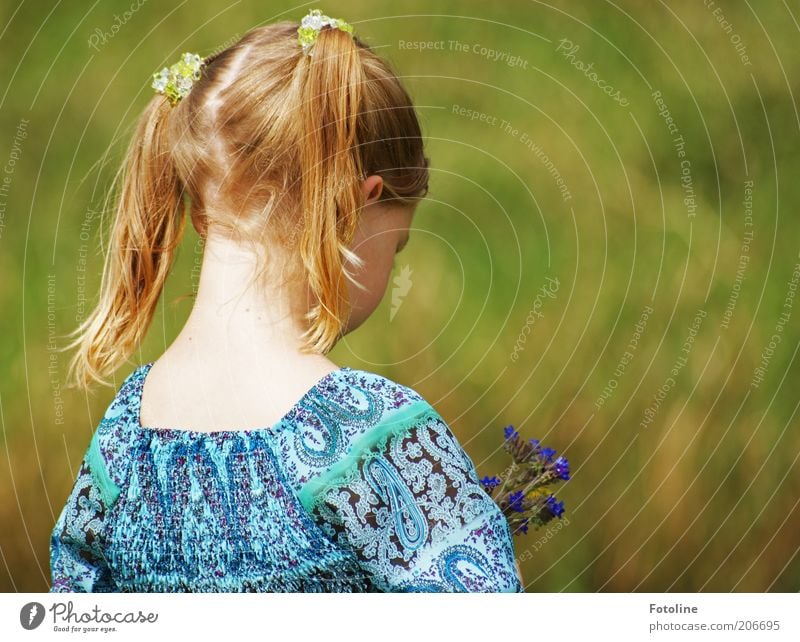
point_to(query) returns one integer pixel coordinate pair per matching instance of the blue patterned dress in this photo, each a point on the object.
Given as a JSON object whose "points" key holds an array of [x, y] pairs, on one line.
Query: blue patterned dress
{"points": [[360, 487]]}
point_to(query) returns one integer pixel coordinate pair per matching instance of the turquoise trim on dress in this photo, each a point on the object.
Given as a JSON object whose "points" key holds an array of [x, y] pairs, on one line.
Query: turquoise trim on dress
{"points": [[394, 422], [108, 489]]}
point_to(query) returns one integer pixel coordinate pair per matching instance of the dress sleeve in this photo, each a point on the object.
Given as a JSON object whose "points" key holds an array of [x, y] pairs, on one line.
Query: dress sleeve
{"points": [[77, 562], [407, 501]]}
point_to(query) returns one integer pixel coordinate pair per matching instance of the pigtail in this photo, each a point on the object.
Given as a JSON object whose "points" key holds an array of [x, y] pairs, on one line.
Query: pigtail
{"points": [[331, 179], [147, 228]]}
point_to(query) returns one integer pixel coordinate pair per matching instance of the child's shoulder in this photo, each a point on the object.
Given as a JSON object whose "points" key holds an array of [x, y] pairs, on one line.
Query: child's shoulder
{"points": [[348, 412], [354, 416], [359, 401], [353, 382], [106, 459]]}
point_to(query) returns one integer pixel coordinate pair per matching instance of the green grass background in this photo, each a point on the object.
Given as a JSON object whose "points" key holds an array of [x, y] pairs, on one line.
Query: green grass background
{"points": [[703, 498]]}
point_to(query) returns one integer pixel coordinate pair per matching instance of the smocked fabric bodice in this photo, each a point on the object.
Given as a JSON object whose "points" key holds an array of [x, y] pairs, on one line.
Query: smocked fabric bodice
{"points": [[361, 486]]}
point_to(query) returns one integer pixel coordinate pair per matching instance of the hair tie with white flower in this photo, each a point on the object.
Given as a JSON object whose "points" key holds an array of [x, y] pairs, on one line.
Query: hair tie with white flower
{"points": [[176, 81], [312, 24]]}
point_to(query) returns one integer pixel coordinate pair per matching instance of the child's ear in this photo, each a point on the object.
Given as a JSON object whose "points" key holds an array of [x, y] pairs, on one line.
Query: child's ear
{"points": [[372, 188]]}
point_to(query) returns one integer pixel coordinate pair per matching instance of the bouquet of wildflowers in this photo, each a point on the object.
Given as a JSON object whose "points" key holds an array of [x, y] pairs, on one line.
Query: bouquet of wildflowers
{"points": [[524, 493]]}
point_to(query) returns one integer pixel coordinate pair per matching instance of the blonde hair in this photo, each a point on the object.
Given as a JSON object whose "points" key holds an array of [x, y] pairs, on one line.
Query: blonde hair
{"points": [[263, 120]]}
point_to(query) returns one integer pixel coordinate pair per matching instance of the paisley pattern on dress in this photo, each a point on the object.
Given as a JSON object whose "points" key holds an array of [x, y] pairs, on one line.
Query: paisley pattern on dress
{"points": [[415, 514], [360, 487], [385, 481], [77, 559]]}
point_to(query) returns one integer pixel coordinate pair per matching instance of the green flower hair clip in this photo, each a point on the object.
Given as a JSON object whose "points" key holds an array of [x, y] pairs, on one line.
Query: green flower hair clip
{"points": [[312, 24], [176, 81]]}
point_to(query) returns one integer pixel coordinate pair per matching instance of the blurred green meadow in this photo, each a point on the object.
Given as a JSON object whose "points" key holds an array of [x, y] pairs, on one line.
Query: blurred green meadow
{"points": [[607, 260]]}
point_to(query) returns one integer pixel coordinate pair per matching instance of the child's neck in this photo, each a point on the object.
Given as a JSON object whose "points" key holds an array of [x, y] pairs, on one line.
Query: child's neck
{"points": [[232, 316]]}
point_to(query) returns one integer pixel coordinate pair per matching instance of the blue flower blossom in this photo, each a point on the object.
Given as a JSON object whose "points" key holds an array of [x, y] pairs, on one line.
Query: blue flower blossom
{"points": [[510, 433], [556, 507], [490, 482], [548, 453], [515, 500], [562, 468]]}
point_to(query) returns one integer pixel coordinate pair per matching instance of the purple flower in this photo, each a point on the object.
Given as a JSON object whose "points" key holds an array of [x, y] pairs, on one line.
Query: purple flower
{"points": [[515, 500], [556, 507], [562, 467], [490, 482], [548, 453], [510, 433]]}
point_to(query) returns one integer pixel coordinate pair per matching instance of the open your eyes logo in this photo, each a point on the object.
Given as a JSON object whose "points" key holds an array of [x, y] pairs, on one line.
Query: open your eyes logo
{"points": [[402, 285], [31, 615]]}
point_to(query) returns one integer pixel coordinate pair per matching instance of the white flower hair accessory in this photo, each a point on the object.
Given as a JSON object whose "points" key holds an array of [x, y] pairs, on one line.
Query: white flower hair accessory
{"points": [[312, 24], [176, 81]]}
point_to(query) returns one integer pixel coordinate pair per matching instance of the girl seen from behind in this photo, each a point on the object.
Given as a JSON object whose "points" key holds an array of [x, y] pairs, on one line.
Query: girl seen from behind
{"points": [[243, 459]]}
